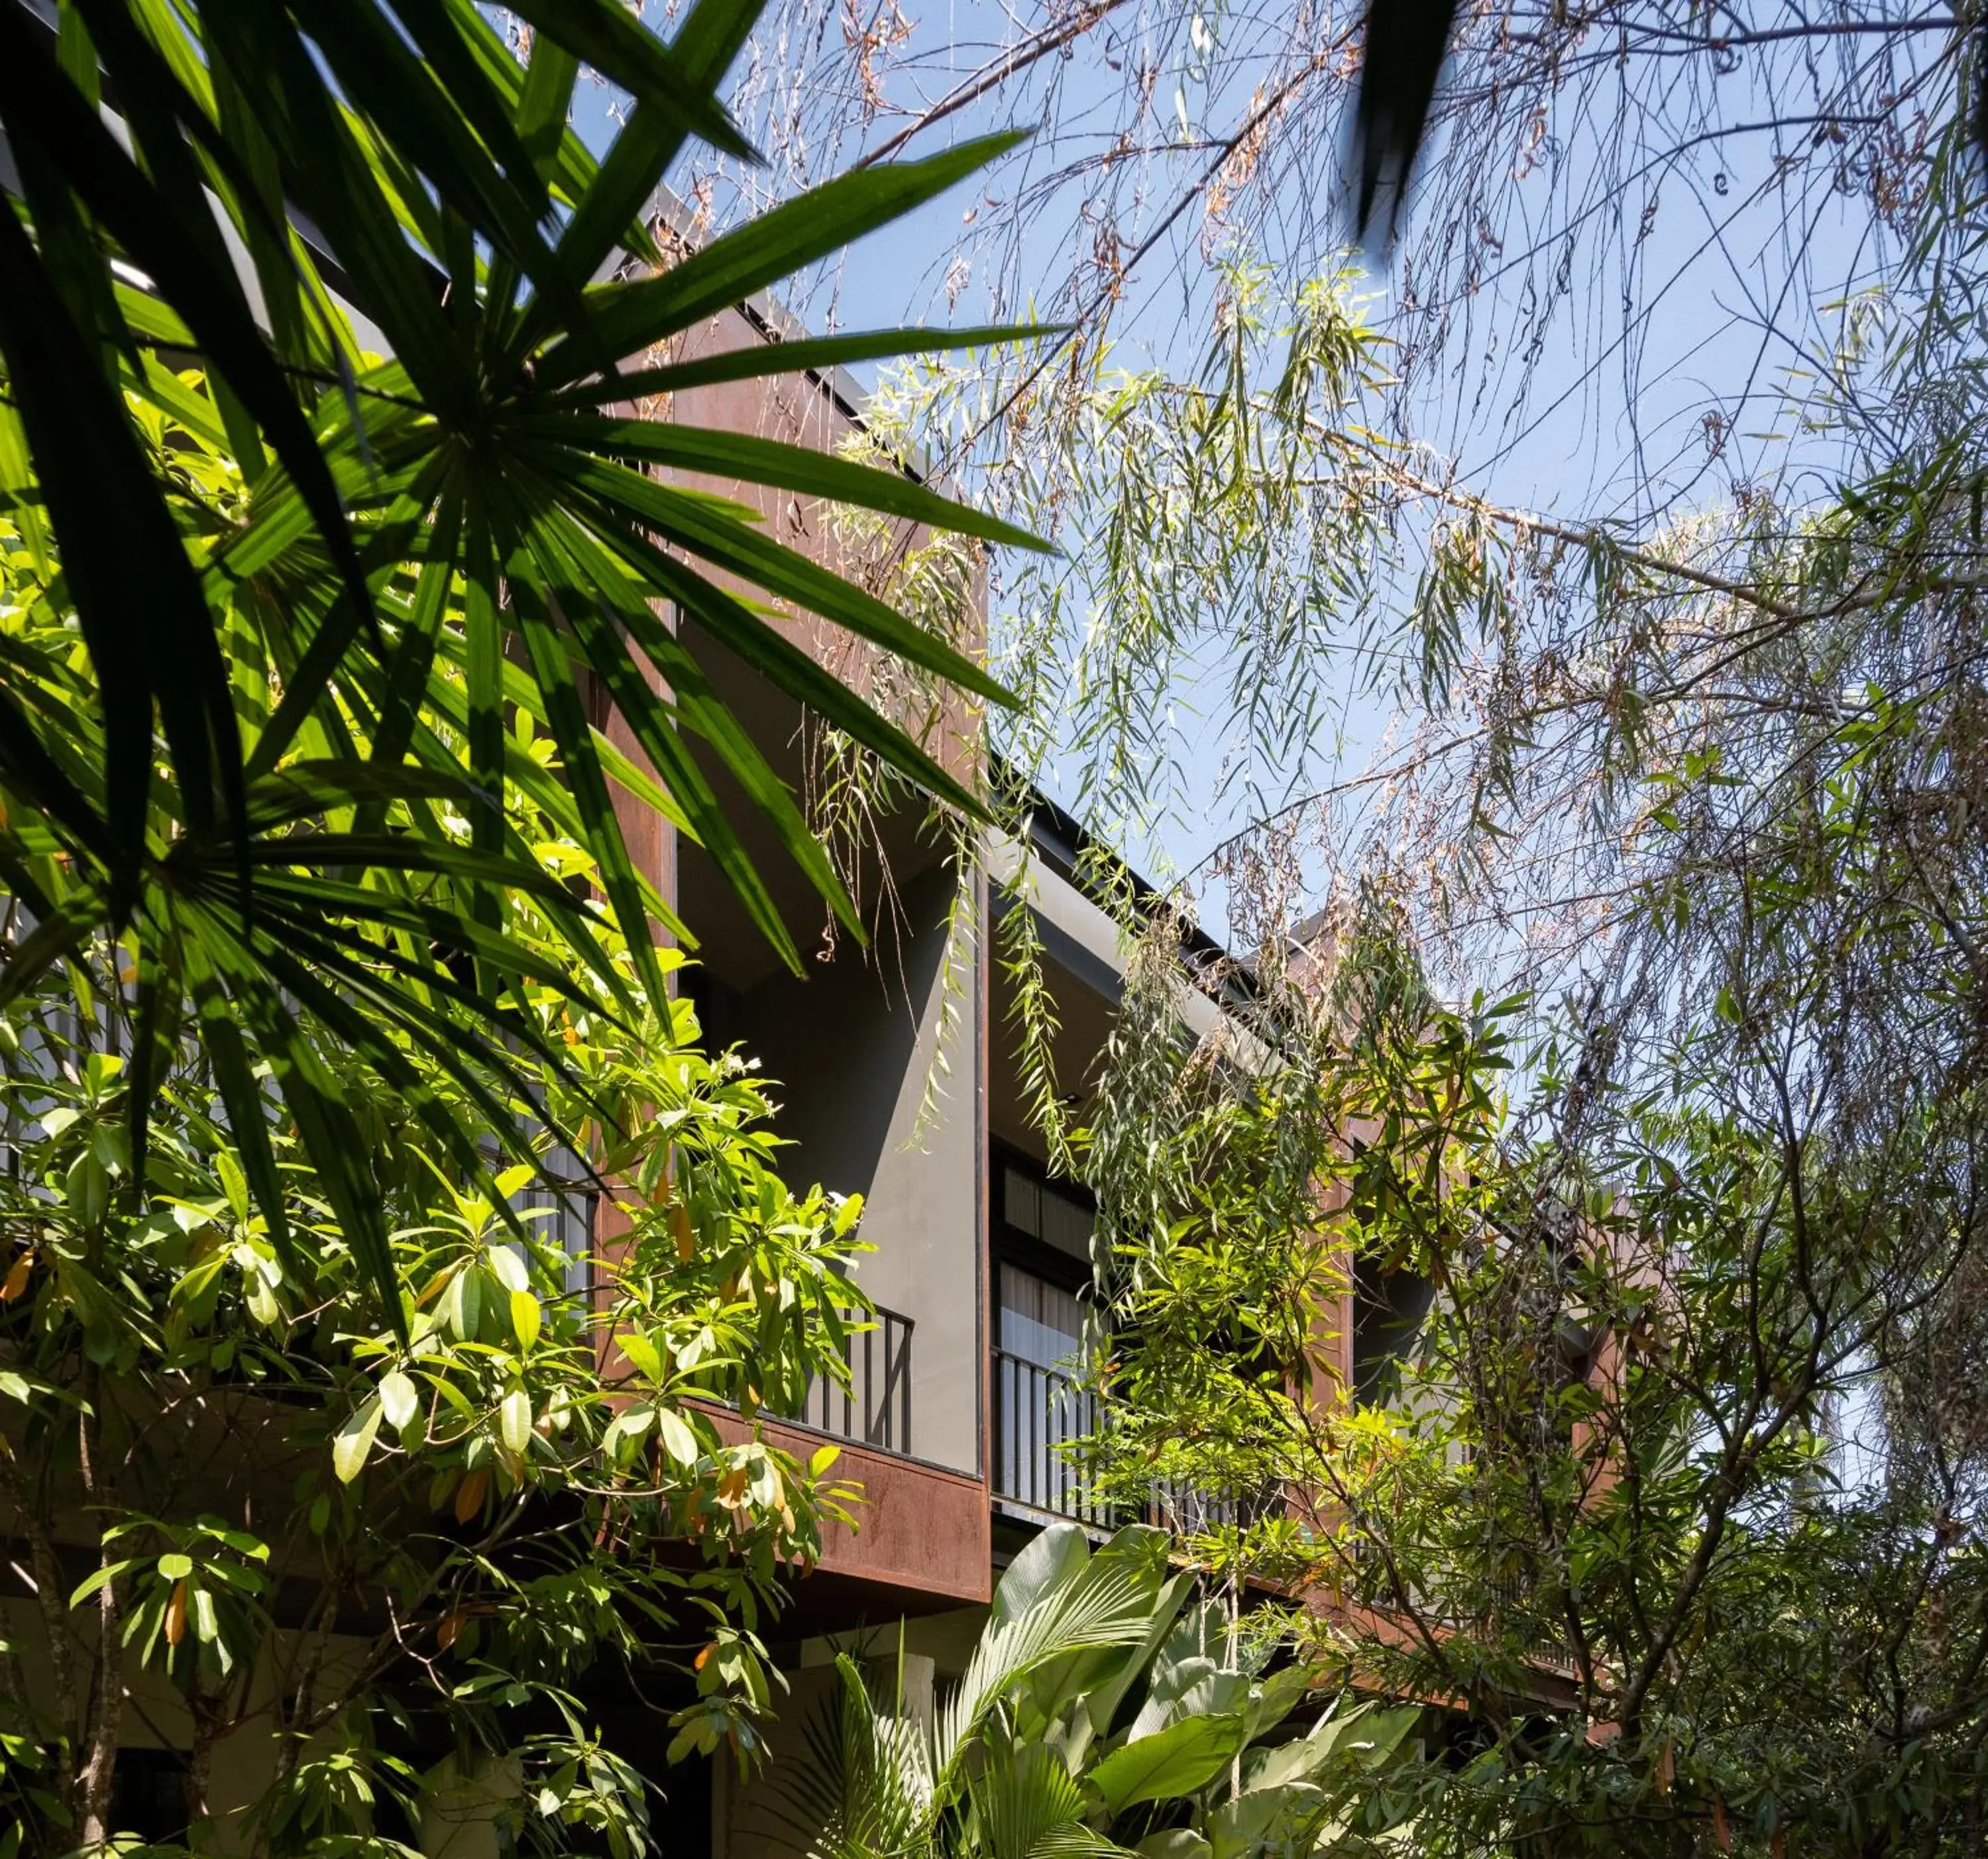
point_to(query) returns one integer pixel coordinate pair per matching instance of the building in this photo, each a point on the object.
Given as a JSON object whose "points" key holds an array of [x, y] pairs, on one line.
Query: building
{"points": [[959, 1400]]}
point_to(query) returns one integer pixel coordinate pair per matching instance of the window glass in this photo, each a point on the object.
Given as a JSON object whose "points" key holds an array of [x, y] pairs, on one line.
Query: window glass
{"points": [[1065, 1224], [1022, 1203], [566, 1205], [1039, 1323]]}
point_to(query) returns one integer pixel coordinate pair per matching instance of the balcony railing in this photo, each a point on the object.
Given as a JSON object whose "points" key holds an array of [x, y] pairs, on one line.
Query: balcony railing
{"points": [[1038, 1414], [1188, 1511], [874, 1409], [1502, 1607]]}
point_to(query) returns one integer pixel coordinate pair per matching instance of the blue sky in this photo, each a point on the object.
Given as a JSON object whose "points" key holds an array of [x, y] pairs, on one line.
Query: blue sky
{"points": [[1615, 399]]}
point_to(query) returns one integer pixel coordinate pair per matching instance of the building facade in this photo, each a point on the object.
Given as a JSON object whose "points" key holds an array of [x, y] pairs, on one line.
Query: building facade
{"points": [[961, 1394]]}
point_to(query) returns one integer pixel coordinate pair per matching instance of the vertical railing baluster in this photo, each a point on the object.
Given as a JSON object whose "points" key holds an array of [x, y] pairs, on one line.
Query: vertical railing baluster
{"points": [[1050, 1463], [870, 1385], [1037, 1482], [1039, 1415], [849, 1363], [1003, 1426], [1024, 1433], [875, 1397]]}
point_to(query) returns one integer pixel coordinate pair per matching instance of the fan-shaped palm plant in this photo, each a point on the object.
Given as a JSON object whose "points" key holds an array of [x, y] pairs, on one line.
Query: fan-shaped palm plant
{"points": [[311, 434], [1099, 1709]]}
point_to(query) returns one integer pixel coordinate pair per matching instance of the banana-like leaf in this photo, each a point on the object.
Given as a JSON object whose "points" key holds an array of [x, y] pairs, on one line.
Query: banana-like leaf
{"points": [[1263, 1826], [1179, 1760]]}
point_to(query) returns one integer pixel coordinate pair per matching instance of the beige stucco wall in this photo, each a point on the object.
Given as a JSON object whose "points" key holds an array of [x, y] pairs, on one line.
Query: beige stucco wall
{"points": [[916, 1659], [456, 1815], [852, 1046]]}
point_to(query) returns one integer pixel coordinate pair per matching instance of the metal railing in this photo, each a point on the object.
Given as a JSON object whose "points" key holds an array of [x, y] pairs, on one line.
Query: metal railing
{"points": [[874, 1409], [1038, 1414], [1503, 1606], [1186, 1510], [1511, 1600]]}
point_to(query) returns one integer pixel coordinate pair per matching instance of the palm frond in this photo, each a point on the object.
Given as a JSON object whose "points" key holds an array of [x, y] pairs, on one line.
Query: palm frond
{"points": [[321, 591]]}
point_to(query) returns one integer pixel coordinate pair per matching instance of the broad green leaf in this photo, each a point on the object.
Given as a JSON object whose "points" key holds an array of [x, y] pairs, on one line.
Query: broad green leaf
{"points": [[399, 1398], [100, 1577], [1051, 1560], [506, 1262], [1277, 1697], [1175, 1843], [1242, 1828], [678, 1440], [354, 1440], [1177, 1760], [631, 1423], [514, 1420], [642, 1352]]}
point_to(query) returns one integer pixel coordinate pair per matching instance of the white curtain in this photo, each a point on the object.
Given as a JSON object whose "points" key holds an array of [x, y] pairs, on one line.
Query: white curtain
{"points": [[1039, 1323]]}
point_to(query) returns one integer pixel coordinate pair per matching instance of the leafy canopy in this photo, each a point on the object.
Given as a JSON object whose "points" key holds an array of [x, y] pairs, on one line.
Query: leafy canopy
{"points": [[296, 538], [435, 1538]]}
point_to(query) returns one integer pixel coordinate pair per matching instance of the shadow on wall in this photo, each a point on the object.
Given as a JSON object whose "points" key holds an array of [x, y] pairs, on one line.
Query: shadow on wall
{"points": [[850, 1047], [840, 1043], [768, 1817]]}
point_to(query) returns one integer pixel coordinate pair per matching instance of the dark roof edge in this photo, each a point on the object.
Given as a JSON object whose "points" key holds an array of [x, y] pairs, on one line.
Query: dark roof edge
{"points": [[1067, 846]]}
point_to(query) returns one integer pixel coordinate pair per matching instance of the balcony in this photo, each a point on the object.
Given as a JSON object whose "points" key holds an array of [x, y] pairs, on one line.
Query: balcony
{"points": [[874, 1408], [921, 1528], [1039, 1415]]}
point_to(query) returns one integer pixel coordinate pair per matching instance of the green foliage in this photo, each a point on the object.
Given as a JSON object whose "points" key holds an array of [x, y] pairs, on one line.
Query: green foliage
{"points": [[362, 1461], [289, 545], [1217, 530], [1103, 1705], [446, 1521], [1675, 1487]]}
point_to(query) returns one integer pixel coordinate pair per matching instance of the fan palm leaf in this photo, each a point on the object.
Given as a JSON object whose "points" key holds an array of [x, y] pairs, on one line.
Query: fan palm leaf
{"points": [[313, 418]]}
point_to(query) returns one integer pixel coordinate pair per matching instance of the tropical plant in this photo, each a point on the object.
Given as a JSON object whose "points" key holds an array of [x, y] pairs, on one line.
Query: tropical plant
{"points": [[298, 507], [362, 1525], [1606, 189], [374, 1552], [1685, 776], [1649, 1449], [1103, 1705]]}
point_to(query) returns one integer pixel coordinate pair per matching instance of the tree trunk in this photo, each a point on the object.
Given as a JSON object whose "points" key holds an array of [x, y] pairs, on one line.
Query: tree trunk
{"points": [[51, 1599], [207, 1714], [90, 1795]]}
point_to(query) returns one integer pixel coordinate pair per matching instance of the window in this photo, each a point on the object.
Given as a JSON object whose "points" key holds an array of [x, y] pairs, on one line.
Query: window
{"points": [[1042, 1255], [1040, 1323], [562, 1202], [1057, 1214], [148, 1795]]}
